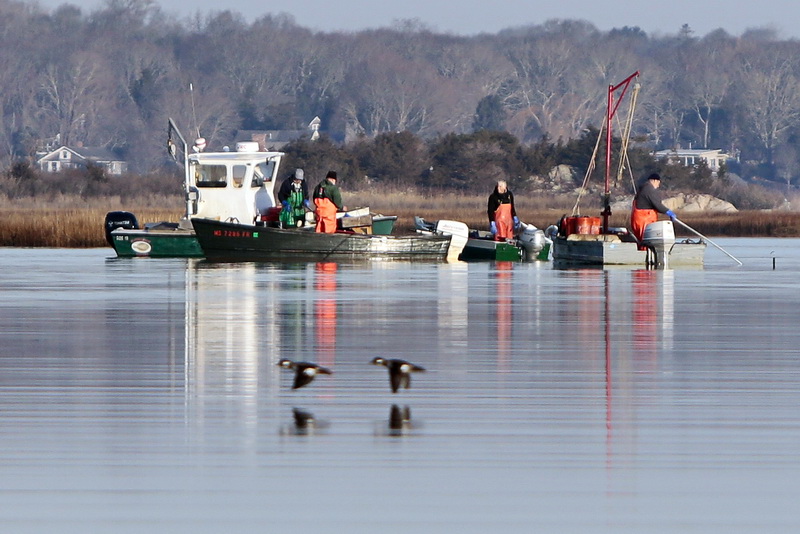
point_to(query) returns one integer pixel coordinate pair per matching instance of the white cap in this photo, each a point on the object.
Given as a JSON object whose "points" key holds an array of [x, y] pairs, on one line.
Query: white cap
{"points": [[298, 174]]}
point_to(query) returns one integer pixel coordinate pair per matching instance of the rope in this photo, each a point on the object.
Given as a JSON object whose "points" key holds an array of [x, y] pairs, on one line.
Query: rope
{"points": [[624, 161], [589, 169]]}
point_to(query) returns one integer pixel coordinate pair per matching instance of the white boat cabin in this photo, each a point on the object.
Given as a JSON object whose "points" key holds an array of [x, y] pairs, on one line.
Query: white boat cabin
{"points": [[232, 186]]}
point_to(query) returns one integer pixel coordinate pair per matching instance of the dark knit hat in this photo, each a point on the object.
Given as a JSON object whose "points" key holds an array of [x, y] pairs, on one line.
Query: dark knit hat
{"points": [[331, 174], [654, 176]]}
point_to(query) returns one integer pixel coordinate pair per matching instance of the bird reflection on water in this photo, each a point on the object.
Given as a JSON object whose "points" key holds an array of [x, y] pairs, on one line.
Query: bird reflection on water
{"points": [[399, 420], [304, 424]]}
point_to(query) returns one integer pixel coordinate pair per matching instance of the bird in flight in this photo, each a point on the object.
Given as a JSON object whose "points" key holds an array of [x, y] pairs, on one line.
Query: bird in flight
{"points": [[399, 371], [304, 372]]}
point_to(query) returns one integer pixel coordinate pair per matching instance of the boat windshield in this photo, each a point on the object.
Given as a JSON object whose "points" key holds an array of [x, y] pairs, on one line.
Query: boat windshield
{"points": [[210, 175], [263, 173], [239, 172]]}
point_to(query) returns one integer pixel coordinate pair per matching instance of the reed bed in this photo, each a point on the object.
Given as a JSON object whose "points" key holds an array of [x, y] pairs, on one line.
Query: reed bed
{"points": [[65, 227], [78, 223]]}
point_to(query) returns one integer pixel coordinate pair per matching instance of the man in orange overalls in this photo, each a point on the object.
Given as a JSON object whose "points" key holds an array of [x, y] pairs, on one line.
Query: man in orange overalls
{"points": [[502, 213], [328, 200], [646, 206]]}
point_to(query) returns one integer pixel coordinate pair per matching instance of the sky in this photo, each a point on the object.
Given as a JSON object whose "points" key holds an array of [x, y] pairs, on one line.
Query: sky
{"points": [[470, 17]]}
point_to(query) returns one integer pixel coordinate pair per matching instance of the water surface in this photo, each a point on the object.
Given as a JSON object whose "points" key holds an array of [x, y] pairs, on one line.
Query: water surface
{"points": [[143, 395]]}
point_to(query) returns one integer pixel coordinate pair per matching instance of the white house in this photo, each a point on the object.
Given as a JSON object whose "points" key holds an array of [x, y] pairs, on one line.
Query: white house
{"points": [[277, 139], [690, 157], [65, 157]]}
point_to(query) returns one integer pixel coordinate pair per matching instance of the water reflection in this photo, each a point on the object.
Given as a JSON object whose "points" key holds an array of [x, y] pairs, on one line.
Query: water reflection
{"points": [[399, 420], [304, 424], [504, 291], [325, 312], [634, 343], [653, 310], [655, 400]]}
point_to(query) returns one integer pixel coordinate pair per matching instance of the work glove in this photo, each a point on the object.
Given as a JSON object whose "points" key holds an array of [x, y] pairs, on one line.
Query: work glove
{"points": [[285, 205], [493, 227], [671, 215], [308, 205], [516, 221]]}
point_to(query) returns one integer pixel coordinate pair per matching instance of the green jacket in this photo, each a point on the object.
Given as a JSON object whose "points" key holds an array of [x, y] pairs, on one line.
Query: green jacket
{"points": [[329, 190]]}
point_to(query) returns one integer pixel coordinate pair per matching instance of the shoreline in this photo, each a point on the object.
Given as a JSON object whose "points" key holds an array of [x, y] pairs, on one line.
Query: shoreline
{"points": [[81, 226]]}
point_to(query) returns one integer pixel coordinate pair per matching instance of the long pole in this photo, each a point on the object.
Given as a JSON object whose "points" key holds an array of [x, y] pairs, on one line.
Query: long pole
{"points": [[707, 239]]}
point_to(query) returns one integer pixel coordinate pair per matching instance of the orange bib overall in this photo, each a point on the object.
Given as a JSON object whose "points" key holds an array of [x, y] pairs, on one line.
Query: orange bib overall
{"points": [[504, 222], [640, 219], [326, 216]]}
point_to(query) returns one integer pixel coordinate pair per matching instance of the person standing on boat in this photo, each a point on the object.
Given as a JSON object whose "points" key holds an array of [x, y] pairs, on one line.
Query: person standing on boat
{"points": [[647, 204], [328, 200], [293, 196], [502, 213]]}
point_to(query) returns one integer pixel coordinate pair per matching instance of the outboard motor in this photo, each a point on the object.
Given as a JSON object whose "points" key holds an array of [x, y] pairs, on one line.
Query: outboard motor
{"points": [[119, 219], [460, 234], [532, 240], [659, 237]]}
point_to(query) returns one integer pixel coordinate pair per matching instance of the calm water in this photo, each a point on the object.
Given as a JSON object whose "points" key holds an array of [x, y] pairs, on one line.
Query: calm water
{"points": [[143, 396]]}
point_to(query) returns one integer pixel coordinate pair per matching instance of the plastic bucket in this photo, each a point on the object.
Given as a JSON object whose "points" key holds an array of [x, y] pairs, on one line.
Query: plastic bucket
{"points": [[583, 225], [570, 225]]}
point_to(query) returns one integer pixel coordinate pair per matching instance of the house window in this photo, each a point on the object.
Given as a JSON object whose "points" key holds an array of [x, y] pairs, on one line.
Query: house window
{"points": [[65, 154], [53, 166]]}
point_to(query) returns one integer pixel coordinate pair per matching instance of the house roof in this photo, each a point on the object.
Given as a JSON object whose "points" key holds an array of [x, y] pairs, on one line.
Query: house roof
{"points": [[271, 135], [699, 152], [99, 154]]}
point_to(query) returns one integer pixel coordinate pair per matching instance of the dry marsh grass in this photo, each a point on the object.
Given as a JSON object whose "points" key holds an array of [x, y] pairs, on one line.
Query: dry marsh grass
{"points": [[78, 223]]}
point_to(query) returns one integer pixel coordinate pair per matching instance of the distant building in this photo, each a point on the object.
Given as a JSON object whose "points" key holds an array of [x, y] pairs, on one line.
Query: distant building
{"points": [[66, 157], [277, 139], [690, 157]]}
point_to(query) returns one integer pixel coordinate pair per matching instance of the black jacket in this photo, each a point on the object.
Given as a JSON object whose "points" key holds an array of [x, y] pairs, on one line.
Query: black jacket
{"points": [[649, 198], [497, 198], [286, 189]]}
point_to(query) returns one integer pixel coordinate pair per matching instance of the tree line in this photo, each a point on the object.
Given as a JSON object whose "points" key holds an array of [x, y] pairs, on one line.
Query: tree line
{"points": [[469, 163], [112, 76]]}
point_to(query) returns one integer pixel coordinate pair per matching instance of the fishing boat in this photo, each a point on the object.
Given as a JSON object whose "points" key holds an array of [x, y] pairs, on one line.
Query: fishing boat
{"points": [[591, 241], [234, 186], [529, 244], [229, 185], [233, 241]]}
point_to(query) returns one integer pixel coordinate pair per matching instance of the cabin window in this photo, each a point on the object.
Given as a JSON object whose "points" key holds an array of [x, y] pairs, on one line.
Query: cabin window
{"points": [[64, 154], [262, 173], [211, 175], [238, 175]]}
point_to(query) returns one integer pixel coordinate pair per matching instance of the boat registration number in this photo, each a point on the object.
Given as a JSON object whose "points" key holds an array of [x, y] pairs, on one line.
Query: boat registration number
{"points": [[233, 233]]}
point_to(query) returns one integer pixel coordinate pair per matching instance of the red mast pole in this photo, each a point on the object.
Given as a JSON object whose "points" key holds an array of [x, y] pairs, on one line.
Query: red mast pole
{"points": [[611, 110]]}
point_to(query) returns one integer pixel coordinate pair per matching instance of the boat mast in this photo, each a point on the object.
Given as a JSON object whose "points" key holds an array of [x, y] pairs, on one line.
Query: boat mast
{"points": [[172, 149], [611, 110]]}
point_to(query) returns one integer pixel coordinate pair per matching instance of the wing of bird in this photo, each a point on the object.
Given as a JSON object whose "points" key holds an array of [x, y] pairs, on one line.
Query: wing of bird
{"points": [[303, 377]]}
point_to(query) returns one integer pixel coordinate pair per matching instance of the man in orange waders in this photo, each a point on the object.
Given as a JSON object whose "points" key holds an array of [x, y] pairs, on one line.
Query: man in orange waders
{"points": [[328, 200], [647, 205], [502, 214]]}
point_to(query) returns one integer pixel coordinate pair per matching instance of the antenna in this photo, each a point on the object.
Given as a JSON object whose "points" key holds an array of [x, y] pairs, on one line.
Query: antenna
{"points": [[194, 115]]}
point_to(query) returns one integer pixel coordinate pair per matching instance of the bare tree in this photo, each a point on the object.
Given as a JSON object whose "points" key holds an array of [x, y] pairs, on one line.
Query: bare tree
{"points": [[769, 89]]}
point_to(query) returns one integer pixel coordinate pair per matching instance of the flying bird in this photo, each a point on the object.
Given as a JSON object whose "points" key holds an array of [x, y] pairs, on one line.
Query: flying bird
{"points": [[399, 371], [304, 372]]}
